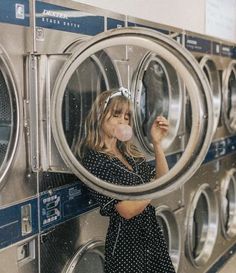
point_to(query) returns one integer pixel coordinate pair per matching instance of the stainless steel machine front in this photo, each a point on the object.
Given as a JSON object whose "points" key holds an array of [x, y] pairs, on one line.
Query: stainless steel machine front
{"points": [[67, 54], [17, 182], [117, 44]]}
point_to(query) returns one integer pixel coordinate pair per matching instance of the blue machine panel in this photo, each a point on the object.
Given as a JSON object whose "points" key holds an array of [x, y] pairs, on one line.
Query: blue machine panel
{"points": [[227, 51], [197, 44], [61, 204], [221, 148], [224, 50], [11, 230], [14, 12], [130, 24], [64, 203], [114, 23], [70, 20], [234, 52]]}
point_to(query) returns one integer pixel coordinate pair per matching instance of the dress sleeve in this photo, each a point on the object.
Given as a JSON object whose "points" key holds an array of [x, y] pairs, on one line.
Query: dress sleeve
{"points": [[100, 167], [146, 170]]}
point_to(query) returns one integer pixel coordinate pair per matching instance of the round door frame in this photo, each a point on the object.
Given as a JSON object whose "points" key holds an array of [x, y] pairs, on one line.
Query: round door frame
{"points": [[69, 268], [230, 232], [17, 117], [215, 84], [212, 229], [231, 68], [201, 107]]}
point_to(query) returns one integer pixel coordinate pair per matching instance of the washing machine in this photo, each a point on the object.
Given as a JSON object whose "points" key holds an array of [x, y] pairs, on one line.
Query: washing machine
{"points": [[207, 198], [80, 51], [18, 185], [72, 231]]}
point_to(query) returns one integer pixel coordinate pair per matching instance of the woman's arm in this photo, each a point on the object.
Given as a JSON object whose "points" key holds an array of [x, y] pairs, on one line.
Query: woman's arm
{"points": [[161, 163], [128, 209], [158, 132]]}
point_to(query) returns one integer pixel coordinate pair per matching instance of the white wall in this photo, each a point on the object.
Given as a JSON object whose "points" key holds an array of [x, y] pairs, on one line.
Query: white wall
{"points": [[213, 17], [221, 18]]}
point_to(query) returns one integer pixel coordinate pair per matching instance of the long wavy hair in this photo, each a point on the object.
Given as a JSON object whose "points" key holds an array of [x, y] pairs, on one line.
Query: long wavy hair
{"points": [[93, 125]]}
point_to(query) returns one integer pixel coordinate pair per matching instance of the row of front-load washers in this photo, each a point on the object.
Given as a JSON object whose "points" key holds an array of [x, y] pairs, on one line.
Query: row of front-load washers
{"points": [[44, 100]]}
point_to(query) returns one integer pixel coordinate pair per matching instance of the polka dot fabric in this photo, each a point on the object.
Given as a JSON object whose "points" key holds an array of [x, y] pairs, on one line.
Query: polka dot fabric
{"points": [[136, 245]]}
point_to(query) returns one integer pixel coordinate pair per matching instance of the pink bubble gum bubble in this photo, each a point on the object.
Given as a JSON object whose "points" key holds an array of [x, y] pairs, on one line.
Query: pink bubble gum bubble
{"points": [[123, 132]]}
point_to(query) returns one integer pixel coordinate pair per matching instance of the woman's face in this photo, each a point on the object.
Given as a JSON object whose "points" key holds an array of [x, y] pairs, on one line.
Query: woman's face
{"points": [[115, 117]]}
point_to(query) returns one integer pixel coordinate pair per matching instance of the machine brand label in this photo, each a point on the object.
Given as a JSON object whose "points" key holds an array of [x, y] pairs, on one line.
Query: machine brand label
{"points": [[65, 19], [130, 24], [198, 44], [61, 204], [224, 50], [114, 23], [227, 51], [15, 12]]}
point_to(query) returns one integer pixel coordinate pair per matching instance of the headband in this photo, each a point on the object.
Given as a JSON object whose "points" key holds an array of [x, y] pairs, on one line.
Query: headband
{"points": [[122, 91]]}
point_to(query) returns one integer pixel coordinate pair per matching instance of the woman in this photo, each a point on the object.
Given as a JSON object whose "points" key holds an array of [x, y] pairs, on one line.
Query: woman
{"points": [[134, 241]]}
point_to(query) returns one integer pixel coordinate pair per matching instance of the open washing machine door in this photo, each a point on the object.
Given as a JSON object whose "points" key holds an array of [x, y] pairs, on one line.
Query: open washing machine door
{"points": [[136, 52]]}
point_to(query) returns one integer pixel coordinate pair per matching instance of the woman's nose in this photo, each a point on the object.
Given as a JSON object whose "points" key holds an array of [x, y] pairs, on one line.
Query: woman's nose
{"points": [[122, 120]]}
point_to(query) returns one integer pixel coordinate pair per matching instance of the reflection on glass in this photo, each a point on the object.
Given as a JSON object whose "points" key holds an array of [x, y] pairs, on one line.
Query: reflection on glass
{"points": [[95, 75], [159, 92], [231, 100], [5, 118], [91, 262], [200, 226], [154, 95]]}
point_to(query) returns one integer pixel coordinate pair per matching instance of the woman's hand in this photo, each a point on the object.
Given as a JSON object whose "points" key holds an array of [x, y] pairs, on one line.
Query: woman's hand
{"points": [[159, 129]]}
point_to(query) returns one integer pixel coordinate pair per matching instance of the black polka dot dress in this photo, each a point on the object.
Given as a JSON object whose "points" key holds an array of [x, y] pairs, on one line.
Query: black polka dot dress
{"points": [[136, 245]]}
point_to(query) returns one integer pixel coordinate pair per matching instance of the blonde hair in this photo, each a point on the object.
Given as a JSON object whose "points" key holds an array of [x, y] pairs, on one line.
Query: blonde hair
{"points": [[103, 106]]}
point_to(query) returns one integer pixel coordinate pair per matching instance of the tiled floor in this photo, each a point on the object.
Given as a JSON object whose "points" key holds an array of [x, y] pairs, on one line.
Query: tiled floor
{"points": [[230, 266]]}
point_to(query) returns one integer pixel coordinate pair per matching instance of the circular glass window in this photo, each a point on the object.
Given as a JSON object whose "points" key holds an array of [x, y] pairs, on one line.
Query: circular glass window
{"points": [[9, 124], [88, 259], [125, 58], [171, 232], [213, 77], [228, 204], [202, 226], [229, 96], [158, 91]]}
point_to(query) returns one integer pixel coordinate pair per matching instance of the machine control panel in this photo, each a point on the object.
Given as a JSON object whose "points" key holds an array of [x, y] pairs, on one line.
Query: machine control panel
{"points": [[61, 204], [197, 44], [114, 23], [18, 222], [221, 148]]}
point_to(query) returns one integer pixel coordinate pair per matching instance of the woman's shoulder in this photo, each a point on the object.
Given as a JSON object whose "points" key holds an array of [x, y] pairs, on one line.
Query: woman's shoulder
{"points": [[94, 157]]}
